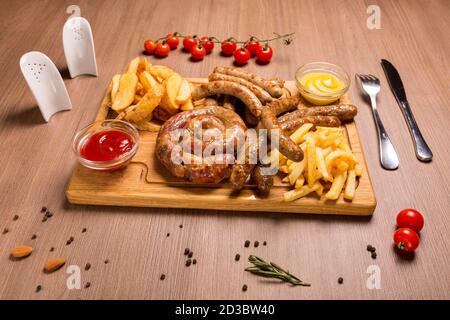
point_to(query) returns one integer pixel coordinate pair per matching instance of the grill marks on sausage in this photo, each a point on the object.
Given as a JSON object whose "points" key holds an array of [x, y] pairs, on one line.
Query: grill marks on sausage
{"points": [[345, 112], [290, 126], [274, 87], [230, 88], [259, 92], [287, 147]]}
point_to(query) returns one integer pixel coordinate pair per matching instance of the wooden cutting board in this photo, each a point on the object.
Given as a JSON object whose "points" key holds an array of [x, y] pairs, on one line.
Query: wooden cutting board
{"points": [[146, 183]]}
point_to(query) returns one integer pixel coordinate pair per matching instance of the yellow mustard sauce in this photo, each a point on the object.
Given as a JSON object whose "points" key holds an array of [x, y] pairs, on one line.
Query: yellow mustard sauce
{"points": [[322, 87]]}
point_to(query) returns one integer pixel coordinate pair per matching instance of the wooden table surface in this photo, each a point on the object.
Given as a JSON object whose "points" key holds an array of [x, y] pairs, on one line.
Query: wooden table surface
{"points": [[37, 161]]}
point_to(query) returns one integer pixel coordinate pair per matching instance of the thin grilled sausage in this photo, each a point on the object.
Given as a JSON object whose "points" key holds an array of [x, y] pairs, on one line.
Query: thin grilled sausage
{"points": [[231, 88], [326, 121], [264, 182], [287, 147], [273, 87], [228, 102], [250, 118], [242, 171], [286, 104], [345, 112], [262, 95]]}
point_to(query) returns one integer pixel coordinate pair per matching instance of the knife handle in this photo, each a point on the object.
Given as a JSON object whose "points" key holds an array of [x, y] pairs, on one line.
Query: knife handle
{"points": [[423, 152]]}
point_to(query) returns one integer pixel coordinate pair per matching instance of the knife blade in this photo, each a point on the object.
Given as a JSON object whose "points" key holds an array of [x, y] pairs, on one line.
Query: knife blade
{"points": [[423, 152]]}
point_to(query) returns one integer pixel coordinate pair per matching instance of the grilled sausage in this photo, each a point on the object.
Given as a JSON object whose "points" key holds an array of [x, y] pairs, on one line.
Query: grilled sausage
{"points": [[231, 88], [273, 87], [326, 121], [345, 112], [241, 171], [287, 147], [209, 117], [263, 182], [262, 95], [286, 104], [228, 102], [250, 118]]}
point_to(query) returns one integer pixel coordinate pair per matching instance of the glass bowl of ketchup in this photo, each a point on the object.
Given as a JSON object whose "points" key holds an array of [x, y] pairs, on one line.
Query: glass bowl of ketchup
{"points": [[106, 145]]}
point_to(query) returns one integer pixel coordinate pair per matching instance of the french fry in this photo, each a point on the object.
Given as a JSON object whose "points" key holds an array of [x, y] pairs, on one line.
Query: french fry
{"points": [[311, 158], [336, 186], [339, 154], [126, 92], [184, 93], [285, 179], [299, 193], [341, 165], [358, 170], [298, 134], [300, 182], [319, 190], [115, 86], [350, 186], [296, 171], [284, 169], [321, 166]]}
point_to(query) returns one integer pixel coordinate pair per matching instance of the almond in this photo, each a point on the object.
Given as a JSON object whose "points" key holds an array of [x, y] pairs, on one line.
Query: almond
{"points": [[21, 251], [53, 264]]}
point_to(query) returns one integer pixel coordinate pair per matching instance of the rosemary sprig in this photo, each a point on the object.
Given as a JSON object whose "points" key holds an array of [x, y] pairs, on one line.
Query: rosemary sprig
{"points": [[271, 270]]}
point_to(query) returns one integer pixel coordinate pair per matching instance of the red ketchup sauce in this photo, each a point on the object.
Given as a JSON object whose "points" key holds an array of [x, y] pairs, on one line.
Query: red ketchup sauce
{"points": [[106, 145]]}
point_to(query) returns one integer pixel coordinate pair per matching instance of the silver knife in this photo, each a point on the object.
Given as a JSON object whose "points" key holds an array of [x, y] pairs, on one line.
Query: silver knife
{"points": [[423, 152]]}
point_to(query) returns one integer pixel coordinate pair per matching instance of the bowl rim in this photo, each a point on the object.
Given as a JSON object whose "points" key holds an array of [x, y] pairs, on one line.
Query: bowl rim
{"points": [[325, 66], [93, 164]]}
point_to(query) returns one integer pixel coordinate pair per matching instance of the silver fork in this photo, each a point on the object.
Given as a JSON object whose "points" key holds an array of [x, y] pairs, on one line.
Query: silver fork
{"points": [[388, 156]]}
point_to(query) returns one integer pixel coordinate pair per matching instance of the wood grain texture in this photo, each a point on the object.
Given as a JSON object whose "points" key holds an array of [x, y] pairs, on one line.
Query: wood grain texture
{"points": [[37, 162], [146, 183]]}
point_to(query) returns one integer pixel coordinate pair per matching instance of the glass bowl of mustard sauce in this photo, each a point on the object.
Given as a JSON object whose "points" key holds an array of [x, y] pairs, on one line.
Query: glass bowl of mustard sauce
{"points": [[321, 83]]}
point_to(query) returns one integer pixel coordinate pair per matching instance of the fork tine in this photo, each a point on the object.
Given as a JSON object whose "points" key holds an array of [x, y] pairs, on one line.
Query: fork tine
{"points": [[374, 78]]}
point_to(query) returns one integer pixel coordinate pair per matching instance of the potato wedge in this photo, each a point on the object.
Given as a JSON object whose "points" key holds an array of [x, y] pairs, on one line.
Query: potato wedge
{"points": [[172, 85], [144, 107], [133, 65], [188, 105], [115, 86], [148, 81], [147, 126], [126, 92], [162, 72], [184, 93]]}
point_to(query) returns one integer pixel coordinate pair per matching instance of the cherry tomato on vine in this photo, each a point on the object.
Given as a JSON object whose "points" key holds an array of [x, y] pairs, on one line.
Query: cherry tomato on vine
{"points": [[162, 50], [150, 46], [228, 47], [173, 41], [207, 44], [406, 239], [242, 55], [198, 52], [253, 46], [189, 42], [410, 218], [264, 54]]}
